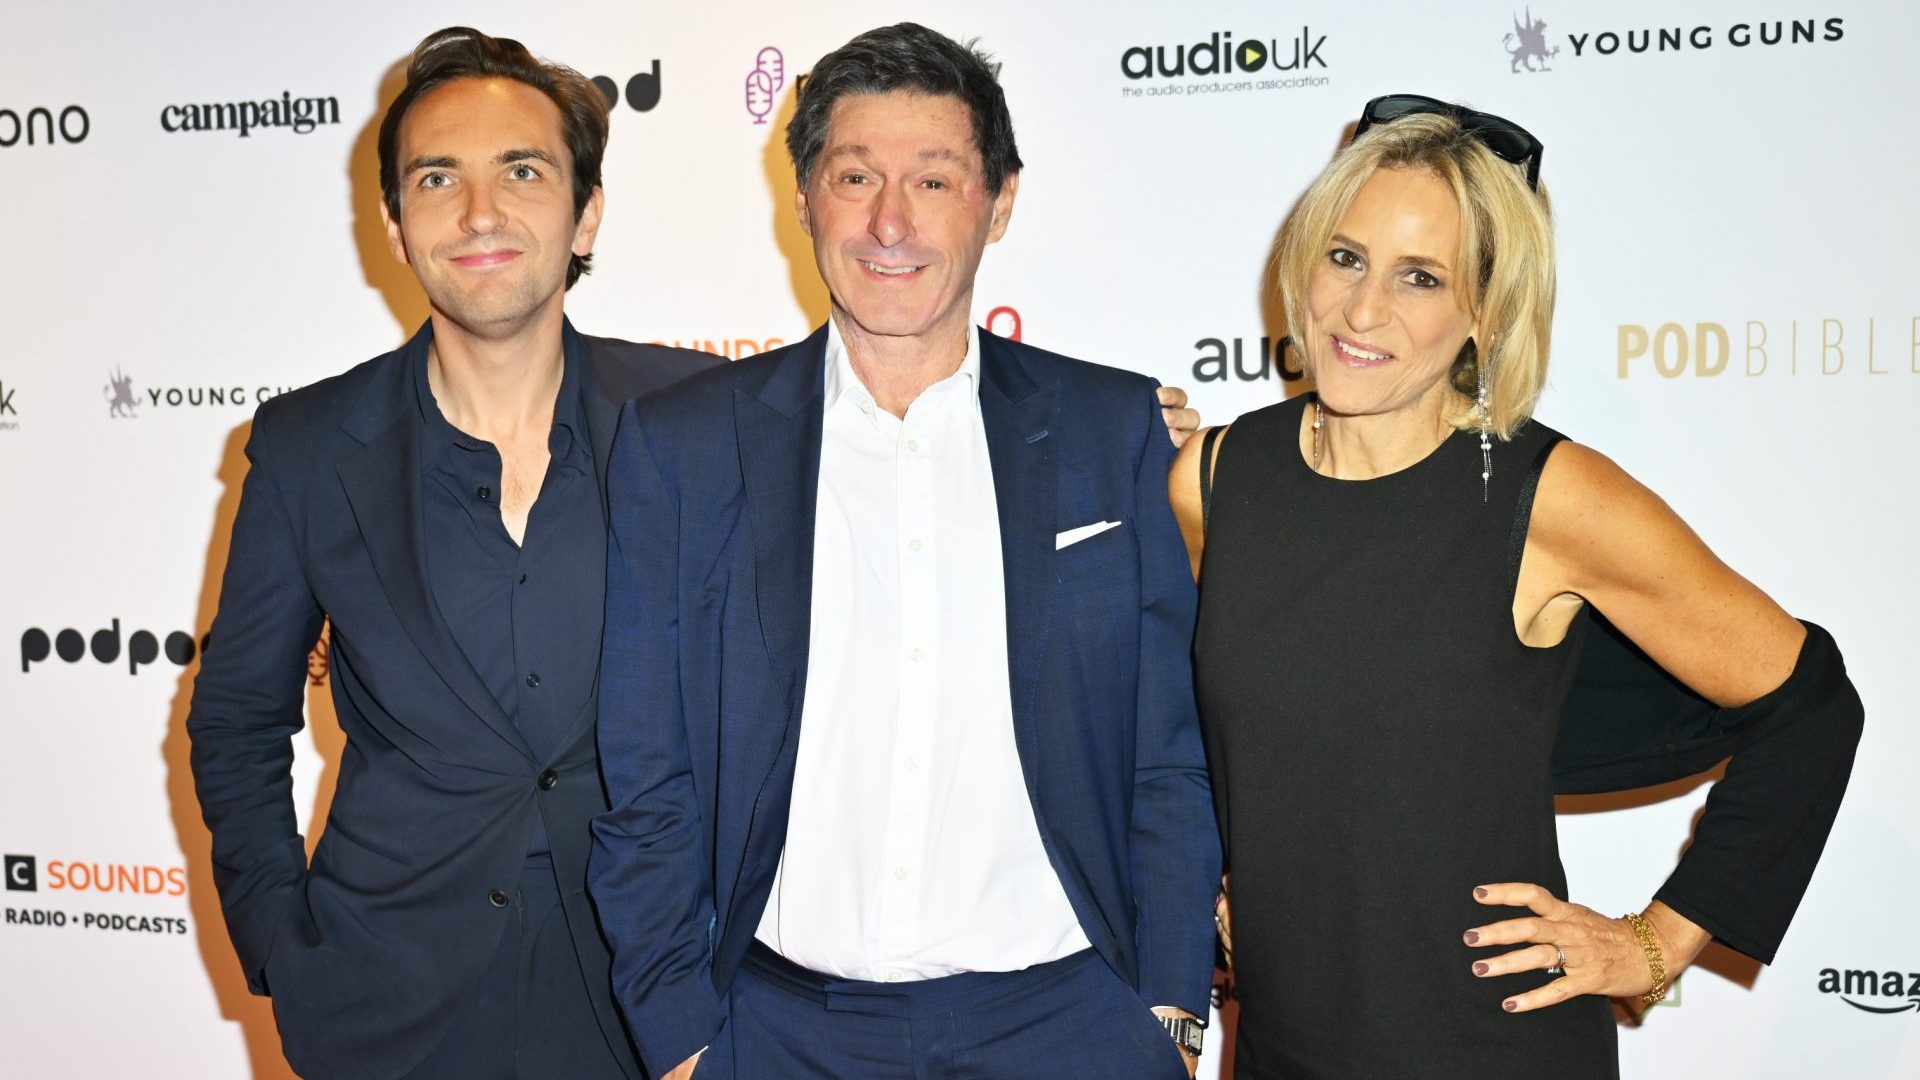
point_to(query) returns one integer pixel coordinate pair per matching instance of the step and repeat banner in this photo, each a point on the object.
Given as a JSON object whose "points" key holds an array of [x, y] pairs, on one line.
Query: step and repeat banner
{"points": [[191, 228]]}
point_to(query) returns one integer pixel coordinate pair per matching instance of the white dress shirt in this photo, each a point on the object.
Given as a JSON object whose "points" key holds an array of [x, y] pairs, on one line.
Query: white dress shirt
{"points": [[912, 850]]}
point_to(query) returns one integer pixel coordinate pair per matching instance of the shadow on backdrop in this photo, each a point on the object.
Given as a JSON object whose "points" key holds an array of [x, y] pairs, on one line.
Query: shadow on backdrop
{"points": [[253, 1014], [389, 276], [803, 275]]}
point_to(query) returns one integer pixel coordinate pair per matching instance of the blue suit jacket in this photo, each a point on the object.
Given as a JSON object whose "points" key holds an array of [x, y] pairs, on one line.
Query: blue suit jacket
{"points": [[369, 953], [709, 596]]}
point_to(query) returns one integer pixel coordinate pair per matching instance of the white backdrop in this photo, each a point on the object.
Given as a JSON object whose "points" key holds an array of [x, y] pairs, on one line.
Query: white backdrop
{"points": [[1739, 327]]}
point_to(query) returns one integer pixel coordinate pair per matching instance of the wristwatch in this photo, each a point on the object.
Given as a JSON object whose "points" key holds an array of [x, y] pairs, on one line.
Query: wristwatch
{"points": [[1187, 1032]]}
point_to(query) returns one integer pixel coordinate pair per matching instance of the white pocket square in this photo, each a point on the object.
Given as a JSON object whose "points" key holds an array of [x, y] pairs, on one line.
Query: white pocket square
{"points": [[1074, 536]]}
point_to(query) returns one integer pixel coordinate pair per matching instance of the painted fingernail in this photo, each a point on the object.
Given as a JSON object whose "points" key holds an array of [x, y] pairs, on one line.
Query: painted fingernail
{"points": [[1473, 937], [1480, 891], [1509, 1005], [1479, 969]]}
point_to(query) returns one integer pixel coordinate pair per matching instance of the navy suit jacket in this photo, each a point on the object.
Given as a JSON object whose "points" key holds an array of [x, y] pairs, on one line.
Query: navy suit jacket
{"points": [[368, 952], [709, 596]]}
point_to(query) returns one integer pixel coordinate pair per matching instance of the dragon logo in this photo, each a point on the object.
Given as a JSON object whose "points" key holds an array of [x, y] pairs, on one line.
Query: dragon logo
{"points": [[1531, 36], [119, 395]]}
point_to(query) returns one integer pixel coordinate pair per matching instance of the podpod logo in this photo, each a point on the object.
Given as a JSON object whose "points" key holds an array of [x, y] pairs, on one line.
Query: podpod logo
{"points": [[300, 115], [1249, 63], [643, 90], [43, 127], [1528, 46], [1769, 348], [142, 647], [122, 399], [1865, 990], [769, 74], [1246, 359]]}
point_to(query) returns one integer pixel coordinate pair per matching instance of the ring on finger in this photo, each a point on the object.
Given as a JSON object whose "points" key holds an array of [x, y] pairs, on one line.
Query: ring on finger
{"points": [[1559, 966]]}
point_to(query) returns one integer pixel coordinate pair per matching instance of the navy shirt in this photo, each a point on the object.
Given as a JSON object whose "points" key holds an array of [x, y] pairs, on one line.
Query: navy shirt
{"points": [[527, 616]]}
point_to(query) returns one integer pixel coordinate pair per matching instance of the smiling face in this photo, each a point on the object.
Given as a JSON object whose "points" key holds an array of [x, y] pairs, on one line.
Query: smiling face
{"points": [[899, 213], [486, 204], [1385, 307]]}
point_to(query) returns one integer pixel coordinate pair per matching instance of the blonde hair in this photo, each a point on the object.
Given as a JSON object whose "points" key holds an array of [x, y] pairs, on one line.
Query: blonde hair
{"points": [[1506, 254]]}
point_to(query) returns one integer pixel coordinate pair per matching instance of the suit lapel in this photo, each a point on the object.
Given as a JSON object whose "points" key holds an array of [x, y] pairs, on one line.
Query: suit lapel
{"points": [[382, 483], [1017, 413], [602, 405]]}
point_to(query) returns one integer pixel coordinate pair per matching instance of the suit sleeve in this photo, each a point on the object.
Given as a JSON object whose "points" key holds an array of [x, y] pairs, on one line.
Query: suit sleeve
{"points": [[649, 867], [1175, 848], [248, 702]]}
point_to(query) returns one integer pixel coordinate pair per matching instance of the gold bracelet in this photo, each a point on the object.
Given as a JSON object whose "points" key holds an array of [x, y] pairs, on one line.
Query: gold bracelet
{"points": [[1656, 959]]}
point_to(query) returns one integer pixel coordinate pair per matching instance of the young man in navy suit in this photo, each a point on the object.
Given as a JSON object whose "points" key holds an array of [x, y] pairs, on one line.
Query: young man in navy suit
{"points": [[443, 507], [896, 708]]}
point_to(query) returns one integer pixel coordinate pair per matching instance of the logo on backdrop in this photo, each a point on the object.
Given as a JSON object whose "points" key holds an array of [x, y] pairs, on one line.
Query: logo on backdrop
{"points": [[42, 127], [643, 90], [1004, 321], [7, 409], [142, 647], [769, 74], [738, 348], [1246, 359], [1528, 45], [1769, 348], [299, 115], [123, 399], [119, 395], [1222, 65], [1874, 992], [89, 878]]}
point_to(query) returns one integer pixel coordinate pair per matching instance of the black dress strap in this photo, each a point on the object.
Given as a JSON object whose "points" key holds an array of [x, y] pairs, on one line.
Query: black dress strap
{"points": [[1523, 512], [1206, 473]]}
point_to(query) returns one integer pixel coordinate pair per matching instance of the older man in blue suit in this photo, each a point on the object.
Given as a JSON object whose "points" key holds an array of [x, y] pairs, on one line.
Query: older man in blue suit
{"points": [[896, 711]]}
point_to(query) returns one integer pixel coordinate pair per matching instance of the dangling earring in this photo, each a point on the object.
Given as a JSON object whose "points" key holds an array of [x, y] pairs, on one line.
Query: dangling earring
{"points": [[1484, 418]]}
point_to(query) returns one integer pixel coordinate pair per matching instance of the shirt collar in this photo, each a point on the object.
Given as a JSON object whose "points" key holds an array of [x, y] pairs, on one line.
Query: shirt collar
{"points": [[569, 408], [842, 380]]}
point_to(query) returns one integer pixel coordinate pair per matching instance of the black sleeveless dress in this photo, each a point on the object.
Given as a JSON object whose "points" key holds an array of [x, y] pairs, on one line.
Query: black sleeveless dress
{"points": [[1380, 742]]}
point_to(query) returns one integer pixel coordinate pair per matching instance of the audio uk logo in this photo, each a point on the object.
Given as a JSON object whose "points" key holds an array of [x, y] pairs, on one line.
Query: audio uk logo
{"points": [[43, 127], [1865, 989], [9, 416], [642, 91], [1246, 359], [141, 648], [1529, 47], [1220, 64], [769, 74]]}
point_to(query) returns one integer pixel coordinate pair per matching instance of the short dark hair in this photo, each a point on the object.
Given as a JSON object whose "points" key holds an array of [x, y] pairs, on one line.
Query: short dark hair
{"points": [[910, 57], [461, 52]]}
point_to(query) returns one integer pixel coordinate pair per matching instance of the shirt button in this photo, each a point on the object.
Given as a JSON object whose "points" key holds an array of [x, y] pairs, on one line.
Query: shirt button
{"points": [[896, 976], [497, 898], [533, 679], [915, 655], [547, 779], [485, 493], [910, 765], [899, 873], [913, 446], [523, 579], [913, 545]]}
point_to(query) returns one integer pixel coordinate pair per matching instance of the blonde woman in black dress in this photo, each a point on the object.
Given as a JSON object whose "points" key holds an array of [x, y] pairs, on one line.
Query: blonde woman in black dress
{"points": [[1396, 573]]}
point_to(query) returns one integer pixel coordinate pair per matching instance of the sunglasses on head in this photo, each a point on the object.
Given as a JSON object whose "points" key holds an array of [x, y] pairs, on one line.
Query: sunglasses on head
{"points": [[1509, 141]]}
